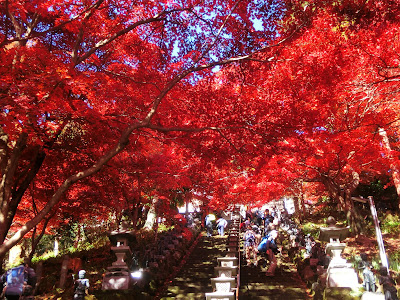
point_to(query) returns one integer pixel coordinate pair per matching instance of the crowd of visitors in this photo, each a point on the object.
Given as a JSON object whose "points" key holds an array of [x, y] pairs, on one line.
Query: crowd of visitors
{"points": [[260, 238], [263, 233], [260, 234]]}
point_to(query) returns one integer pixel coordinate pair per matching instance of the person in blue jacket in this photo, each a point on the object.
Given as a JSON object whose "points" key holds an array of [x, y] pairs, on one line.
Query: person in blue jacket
{"points": [[269, 248]]}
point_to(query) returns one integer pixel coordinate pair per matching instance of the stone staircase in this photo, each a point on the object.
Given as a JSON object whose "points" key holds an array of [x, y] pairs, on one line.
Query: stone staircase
{"points": [[285, 285], [193, 280]]}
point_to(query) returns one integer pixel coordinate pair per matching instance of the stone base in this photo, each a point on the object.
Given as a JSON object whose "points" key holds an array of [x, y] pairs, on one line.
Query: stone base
{"points": [[342, 277], [372, 296], [116, 281]]}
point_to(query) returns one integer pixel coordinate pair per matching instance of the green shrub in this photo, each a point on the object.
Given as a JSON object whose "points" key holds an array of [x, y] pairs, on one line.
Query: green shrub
{"points": [[391, 224], [394, 261], [341, 294], [164, 227], [43, 257], [311, 228]]}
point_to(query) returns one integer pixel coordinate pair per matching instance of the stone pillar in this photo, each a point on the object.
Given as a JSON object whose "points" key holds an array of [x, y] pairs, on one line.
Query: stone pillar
{"points": [[39, 274], [64, 271]]}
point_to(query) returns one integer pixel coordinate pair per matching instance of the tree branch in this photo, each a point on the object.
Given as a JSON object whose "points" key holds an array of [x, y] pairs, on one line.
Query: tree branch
{"points": [[122, 143], [159, 17], [37, 34]]}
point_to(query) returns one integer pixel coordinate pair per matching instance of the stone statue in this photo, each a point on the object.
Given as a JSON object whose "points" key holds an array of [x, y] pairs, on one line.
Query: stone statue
{"points": [[81, 286]]}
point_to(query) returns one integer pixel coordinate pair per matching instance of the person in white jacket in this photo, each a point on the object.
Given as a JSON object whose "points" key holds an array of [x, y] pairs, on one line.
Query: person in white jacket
{"points": [[221, 225]]}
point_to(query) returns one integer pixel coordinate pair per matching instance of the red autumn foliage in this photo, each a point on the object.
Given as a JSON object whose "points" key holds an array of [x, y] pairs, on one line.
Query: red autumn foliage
{"points": [[105, 104]]}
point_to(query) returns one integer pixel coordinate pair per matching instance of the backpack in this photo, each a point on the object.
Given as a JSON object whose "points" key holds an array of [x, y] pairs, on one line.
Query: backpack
{"points": [[222, 223], [262, 247], [250, 238], [80, 287], [389, 287], [15, 281]]}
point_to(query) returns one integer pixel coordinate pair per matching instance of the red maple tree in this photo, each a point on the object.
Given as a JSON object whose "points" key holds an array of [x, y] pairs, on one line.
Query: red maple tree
{"points": [[79, 78], [236, 111]]}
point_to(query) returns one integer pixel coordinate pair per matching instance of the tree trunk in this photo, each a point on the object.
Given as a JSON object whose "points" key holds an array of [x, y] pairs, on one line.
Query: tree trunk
{"points": [[303, 204], [151, 215], [14, 196], [11, 193], [354, 218], [302, 208], [122, 143], [333, 190], [143, 216], [6, 184], [342, 195], [36, 239], [393, 166], [186, 208], [137, 205], [297, 208], [135, 215]]}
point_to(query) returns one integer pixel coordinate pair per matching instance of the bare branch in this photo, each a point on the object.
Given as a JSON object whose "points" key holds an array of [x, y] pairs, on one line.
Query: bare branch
{"points": [[157, 18], [207, 50], [17, 26], [122, 75], [228, 140], [183, 129]]}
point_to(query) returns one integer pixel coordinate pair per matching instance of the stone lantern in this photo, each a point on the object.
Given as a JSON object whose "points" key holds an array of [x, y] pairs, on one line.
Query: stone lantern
{"points": [[340, 273], [118, 276]]}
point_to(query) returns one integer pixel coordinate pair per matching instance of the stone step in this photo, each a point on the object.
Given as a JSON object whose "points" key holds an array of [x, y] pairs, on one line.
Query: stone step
{"points": [[286, 284], [194, 279]]}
